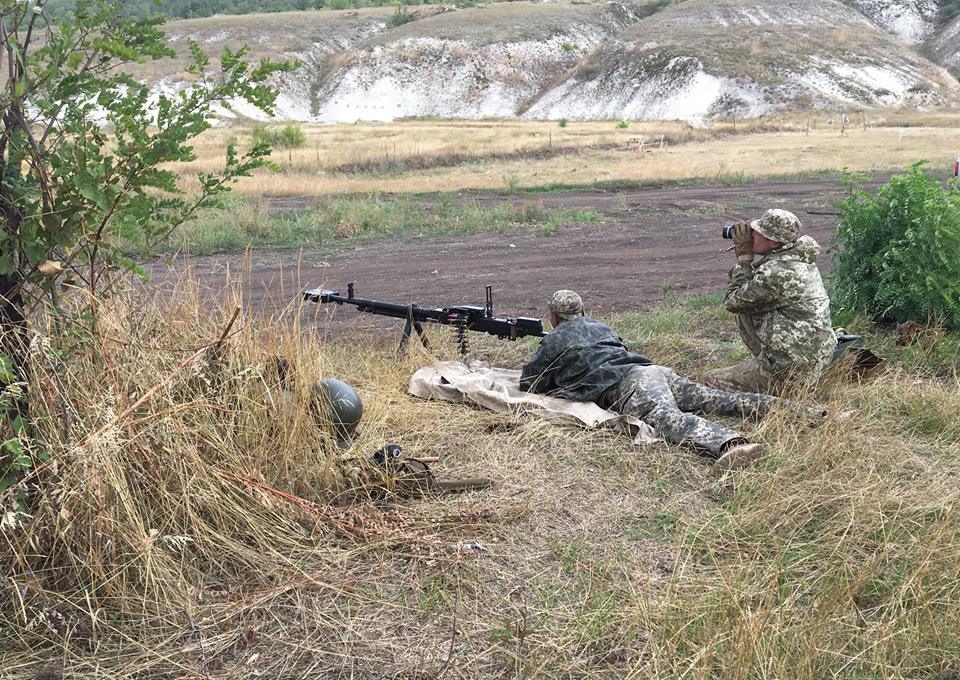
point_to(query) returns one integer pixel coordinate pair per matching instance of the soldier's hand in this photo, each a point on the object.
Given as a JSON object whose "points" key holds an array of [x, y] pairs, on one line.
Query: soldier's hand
{"points": [[743, 242]]}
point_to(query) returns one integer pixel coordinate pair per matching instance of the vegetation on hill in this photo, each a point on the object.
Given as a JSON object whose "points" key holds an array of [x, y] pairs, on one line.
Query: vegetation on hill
{"points": [[950, 10], [188, 9]]}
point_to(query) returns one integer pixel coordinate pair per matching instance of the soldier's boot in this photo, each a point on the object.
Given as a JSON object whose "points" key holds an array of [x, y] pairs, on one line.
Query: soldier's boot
{"points": [[738, 457]]}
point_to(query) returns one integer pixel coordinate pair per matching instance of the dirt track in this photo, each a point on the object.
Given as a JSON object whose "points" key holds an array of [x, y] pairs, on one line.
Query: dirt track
{"points": [[650, 241]]}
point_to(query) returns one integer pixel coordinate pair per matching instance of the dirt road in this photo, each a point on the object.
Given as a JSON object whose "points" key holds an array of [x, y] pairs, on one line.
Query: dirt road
{"points": [[651, 241]]}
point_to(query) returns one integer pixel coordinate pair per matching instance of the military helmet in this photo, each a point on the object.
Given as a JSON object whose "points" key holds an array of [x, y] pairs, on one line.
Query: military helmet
{"points": [[778, 225], [342, 405]]}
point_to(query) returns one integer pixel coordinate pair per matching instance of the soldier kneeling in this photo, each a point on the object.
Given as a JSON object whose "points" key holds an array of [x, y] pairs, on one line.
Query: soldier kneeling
{"points": [[782, 308]]}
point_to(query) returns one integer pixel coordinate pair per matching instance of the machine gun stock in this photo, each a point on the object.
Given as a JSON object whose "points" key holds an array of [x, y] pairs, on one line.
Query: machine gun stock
{"points": [[463, 317]]}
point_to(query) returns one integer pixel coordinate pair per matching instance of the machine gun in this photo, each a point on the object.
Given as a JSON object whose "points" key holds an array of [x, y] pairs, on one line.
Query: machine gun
{"points": [[464, 317]]}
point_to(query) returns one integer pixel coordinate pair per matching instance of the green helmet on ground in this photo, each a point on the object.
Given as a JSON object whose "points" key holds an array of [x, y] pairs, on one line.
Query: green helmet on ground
{"points": [[342, 406]]}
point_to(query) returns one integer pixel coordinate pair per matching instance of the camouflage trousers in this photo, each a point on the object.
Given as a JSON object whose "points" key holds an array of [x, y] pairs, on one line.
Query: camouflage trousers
{"points": [[748, 375], [670, 403]]}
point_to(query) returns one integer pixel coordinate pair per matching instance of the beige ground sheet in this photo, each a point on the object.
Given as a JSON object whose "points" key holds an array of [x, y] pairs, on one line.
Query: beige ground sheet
{"points": [[498, 389]]}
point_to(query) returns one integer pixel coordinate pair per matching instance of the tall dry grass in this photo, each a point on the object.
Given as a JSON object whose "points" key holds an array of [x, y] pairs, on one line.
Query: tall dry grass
{"points": [[171, 461], [419, 156], [194, 522], [837, 558]]}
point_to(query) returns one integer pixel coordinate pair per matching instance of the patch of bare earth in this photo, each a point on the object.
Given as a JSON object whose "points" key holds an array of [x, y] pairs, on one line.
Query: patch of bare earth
{"points": [[649, 239]]}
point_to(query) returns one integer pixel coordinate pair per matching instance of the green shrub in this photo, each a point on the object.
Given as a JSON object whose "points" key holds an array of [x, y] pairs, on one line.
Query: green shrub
{"points": [[623, 125], [401, 16], [898, 251], [261, 134], [562, 122], [288, 137]]}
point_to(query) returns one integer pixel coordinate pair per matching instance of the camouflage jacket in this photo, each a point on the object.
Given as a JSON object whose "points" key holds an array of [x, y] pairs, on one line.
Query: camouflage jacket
{"points": [[580, 359], [784, 294]]}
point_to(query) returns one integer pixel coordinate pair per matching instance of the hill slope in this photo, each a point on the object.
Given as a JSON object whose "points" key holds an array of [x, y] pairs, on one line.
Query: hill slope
{"points": [[746, 57], [911, 21], [479, 62], [946, 46], [596, 58]]}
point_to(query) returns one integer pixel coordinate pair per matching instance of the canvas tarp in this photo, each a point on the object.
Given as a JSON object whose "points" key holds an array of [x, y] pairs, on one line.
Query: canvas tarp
{"points": [[498, 389]]}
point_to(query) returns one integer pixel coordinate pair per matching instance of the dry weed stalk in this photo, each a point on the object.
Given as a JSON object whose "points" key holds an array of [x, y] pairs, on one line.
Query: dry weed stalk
{"points": [[190, 465]]}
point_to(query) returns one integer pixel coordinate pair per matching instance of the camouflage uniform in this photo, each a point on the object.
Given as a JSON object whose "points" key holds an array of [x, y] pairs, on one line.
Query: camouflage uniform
{"points": [[585, 360], [783, 312], [667, 402], [581, 359]]}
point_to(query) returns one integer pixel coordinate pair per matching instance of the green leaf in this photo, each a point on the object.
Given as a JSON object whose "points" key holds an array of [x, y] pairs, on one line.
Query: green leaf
{"points": [[13, 446], [7, 374], [8, 263], [93, 194]]}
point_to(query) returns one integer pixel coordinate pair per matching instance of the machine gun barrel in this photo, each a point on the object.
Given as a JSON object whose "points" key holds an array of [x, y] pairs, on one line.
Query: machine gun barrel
{"points": [[391, 309]]}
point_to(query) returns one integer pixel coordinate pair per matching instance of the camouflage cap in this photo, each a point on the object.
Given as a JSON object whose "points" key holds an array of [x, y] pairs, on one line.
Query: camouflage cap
{"points": [[566, 304], [778, 225]]}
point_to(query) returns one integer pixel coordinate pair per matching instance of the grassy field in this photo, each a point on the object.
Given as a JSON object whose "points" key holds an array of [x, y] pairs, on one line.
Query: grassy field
{"points": [[195, 522], [241, 223], [449, 156]]}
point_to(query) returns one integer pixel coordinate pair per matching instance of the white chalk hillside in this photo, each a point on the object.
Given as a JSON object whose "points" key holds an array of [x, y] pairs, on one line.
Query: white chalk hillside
{"points": [[746, 57], [946, 46], [474, 63], [912, 21], [617, 59]]}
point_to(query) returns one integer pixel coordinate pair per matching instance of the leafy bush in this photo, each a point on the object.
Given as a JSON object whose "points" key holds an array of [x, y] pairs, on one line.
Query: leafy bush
{"points": [[623, 125], [261, 134], [291, 137], [288, 137], [401, 16], [562, 122], [898, 251]]}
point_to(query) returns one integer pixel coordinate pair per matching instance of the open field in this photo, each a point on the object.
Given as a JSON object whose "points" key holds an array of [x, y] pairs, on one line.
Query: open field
{"points": [[627, 247], [214, 531], [449, 156]]}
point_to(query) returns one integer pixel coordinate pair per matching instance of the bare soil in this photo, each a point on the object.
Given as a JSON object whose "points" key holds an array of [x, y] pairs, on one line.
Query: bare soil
{"points": [[652, 241]]}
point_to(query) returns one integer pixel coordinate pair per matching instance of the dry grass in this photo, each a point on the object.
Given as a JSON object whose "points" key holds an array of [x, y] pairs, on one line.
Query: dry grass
{"points": [[215, 531], [415, 156]]}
